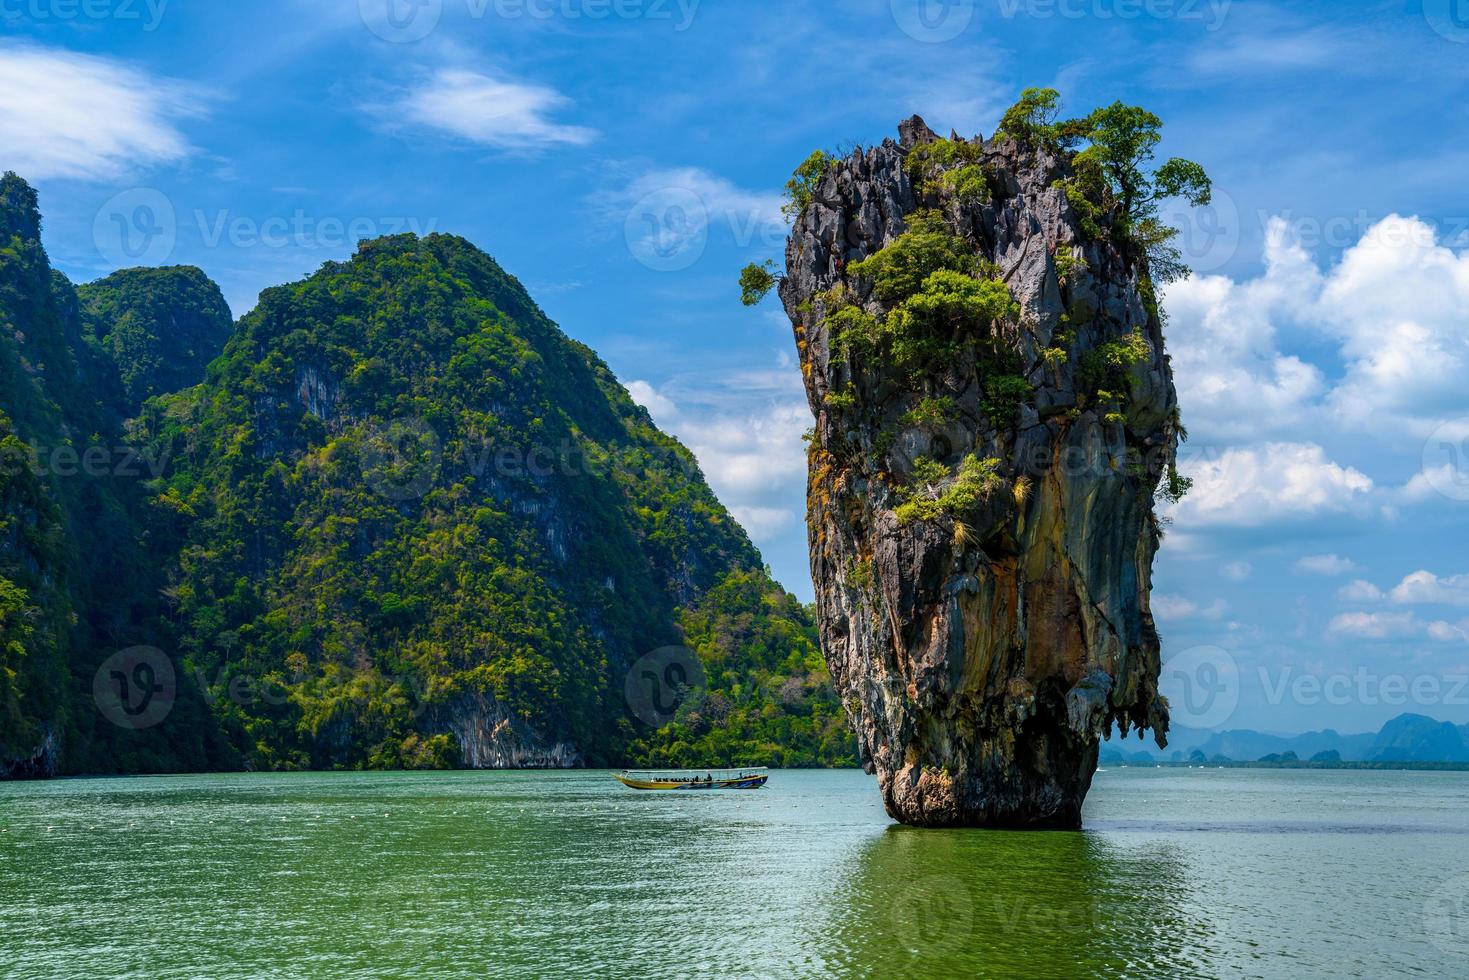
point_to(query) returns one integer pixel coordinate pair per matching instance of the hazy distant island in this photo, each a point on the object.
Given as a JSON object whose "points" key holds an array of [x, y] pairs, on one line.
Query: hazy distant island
{"points": [[1409, 741]]}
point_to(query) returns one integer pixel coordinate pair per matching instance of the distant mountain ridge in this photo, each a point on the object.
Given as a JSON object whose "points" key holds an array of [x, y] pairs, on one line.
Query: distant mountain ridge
{"points": [[1406, 738]]}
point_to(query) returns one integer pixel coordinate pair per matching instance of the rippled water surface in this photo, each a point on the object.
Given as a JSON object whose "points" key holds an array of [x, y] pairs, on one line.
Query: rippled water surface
{"points": [[1179, 873]]}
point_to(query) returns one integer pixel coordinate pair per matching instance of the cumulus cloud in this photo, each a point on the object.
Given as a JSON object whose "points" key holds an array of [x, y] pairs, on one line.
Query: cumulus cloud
{"points": [[1424, 587], [491, 110], [746, 433], [663, 411], [1402, 626], [1393, 308], [1360, 590], [1257, 486], [80, 116], [1222, 337], [1329, 565]]}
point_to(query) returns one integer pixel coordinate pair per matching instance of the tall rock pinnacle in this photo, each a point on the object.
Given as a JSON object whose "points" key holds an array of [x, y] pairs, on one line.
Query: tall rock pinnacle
{"points": [[994, 413]]}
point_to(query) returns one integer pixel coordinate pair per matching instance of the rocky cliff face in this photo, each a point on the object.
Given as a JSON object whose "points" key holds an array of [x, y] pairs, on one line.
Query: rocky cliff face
{"points": [[982, 474]]}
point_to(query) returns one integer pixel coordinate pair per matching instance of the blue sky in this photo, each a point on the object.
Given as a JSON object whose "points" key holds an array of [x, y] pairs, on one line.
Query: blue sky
{"points": [[624, 157]]}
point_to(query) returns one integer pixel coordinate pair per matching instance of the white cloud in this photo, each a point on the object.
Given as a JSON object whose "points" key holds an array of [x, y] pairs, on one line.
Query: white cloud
{"points": [[1393, 307], [1425, 587], [489, 110], [763, 523], [79, 116], [745, 430], [1237, 571], [1396, 626], [1276, 482], [1329, 565], [1232, 380], [1434, 484], [1375, 626], [668, 212], [1448, 632], [1174, 608], [662, 410], [1360, 590]]}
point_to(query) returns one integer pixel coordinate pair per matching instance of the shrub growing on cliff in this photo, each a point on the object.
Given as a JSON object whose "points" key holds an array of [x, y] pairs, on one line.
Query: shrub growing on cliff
{"points": [[756, 281], [952, 165], [926, 498], [942, 296], [802, 185], [926, 247], [930, 413]]}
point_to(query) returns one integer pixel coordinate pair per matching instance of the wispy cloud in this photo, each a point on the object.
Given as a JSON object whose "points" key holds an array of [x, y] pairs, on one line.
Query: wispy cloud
{"points": [[667, 213], [79, 116], [1329, 565], [489, 110]]}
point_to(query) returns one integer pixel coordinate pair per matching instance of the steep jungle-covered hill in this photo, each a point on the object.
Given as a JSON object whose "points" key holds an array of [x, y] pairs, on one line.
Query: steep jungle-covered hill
{"points": [[76, 578], [160, 326], [403, 521]]}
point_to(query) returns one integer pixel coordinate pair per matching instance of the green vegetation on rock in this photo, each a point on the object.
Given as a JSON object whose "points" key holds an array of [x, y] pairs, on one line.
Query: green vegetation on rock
{"points": [[160, 326]]}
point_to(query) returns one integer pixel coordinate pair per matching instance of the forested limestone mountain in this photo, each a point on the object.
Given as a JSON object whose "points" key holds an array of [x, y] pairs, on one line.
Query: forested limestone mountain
{"points": [[402, 520], [160, 326], [76, 579]]}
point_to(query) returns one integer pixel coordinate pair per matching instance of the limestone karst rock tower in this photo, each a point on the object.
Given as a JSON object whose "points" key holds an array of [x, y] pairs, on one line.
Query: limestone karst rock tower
{"points": [[994, 415]]}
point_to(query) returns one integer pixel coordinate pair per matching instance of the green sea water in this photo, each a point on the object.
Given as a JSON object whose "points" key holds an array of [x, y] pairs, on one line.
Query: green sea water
{"points": [[1193, 872]]}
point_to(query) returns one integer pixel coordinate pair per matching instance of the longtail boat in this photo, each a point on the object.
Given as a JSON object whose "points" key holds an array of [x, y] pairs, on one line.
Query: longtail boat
{"points": [[752, 777]]}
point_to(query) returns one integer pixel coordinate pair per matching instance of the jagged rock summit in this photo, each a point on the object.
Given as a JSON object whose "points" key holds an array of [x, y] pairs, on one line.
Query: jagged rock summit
{"points": [[983, 471]]}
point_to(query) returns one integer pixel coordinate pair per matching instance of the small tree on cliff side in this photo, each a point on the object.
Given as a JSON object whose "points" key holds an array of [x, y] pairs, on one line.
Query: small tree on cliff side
{"points": [[756, 281], [1116, 162], [1123, 139]]}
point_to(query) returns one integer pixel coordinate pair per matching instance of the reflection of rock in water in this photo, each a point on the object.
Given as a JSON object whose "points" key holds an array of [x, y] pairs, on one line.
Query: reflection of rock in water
{"points": [[951, 903]]}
